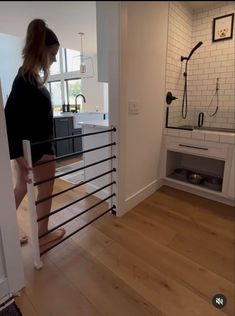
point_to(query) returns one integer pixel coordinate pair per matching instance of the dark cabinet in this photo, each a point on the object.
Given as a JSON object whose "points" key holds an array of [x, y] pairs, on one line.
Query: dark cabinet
{"points": [[63, 127], [77, 141]]}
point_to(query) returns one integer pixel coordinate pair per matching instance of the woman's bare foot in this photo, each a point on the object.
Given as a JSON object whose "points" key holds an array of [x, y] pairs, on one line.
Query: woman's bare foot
{"points": [[23, 240], [53, 236]]}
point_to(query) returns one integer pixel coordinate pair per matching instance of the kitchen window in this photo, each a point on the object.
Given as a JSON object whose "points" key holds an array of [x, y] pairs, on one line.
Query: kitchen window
{"points": [[72, 60], [72, 88], [64, 81], [55, 67], [56, 94]]}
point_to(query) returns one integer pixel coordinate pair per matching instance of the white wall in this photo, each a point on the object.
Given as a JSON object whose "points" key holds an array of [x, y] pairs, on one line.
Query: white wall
{"points": [[106, 97], [214, 60], [10, 56], [179, 44], [135, 50], [142, 80], [67, 19]]}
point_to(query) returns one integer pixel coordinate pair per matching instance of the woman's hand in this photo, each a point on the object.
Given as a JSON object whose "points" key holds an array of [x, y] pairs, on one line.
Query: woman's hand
{"points": [[24, 167]]}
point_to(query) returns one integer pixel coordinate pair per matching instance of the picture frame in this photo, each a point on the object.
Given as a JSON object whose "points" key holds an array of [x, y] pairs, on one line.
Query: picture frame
{"points": [[223, 27]]}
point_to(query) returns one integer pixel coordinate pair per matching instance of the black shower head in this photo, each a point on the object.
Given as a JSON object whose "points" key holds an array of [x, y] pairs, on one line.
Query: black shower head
{"points": [[192, 51]]}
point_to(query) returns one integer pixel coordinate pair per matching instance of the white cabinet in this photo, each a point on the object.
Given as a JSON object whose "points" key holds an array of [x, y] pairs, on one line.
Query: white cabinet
{"points": [[213, 162], [107, 25], [205, 149], [85, 117], [231, 177], [92, 157], [102, 42]]}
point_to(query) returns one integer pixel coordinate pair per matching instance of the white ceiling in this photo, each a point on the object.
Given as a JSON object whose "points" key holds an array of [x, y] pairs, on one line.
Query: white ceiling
{"points": [[65, 18]]}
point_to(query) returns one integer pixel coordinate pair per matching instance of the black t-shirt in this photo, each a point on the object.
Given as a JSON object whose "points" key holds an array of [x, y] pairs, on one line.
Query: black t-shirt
{"points": [[29, 115]]}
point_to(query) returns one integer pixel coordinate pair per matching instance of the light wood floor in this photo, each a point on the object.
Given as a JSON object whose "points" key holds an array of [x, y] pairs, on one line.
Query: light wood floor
{"points": [[168, 256]]}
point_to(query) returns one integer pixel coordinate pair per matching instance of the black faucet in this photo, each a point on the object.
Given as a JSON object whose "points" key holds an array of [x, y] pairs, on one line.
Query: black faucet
{"points": [[65, 108], [79, 95], [200, 119]]}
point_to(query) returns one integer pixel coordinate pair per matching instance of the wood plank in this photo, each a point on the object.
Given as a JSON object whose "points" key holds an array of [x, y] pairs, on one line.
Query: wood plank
{"points": [[104, 289], [169, 296], [206, 213], [190, 229], [24, 304], [179, 268], [182, 201], [52, 294], [152, 229], [199, 252]]}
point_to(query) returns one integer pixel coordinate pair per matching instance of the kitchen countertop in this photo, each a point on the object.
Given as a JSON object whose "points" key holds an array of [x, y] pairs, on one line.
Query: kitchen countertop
{"points": [[205, 135], [69, 114], [82, 118], [209, 129], [101, 123], [63, 114]]}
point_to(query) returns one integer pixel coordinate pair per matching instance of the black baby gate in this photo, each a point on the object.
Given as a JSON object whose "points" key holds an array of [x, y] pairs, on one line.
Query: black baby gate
{"points": [[32, 202]]}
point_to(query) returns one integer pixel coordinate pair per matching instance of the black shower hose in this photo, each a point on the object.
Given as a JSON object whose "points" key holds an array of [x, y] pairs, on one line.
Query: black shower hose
{"points": [[185, 95]]}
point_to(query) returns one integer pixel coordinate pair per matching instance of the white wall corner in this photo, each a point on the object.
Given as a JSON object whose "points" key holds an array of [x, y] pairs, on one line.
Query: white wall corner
{"points": [[136, 198]]}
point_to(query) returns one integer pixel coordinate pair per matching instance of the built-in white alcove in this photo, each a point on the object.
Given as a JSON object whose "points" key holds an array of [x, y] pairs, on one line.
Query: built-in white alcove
{"points": [[180, 166]]}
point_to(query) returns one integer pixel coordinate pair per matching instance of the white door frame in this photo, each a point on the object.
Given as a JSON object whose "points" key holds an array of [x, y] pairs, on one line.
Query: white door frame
{"points": [[11, 264]]}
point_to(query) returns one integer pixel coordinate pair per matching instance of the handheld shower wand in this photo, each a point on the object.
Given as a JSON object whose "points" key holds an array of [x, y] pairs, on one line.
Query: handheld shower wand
{"points": [[185, 96], [217, 99], [192, 51]]}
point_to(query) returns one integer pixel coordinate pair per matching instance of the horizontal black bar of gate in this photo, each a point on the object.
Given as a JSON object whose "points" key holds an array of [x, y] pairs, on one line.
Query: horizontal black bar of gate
{"points": [[73, 154], [77, 169], [76, 201], [74, 186], [76, 231], [75, 216], [71, 137]]}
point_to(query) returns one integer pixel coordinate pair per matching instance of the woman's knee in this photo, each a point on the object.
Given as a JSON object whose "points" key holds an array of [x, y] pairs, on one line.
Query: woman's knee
{"points": [[44, 172], [45, 189], [20, 191], [20, 183]]}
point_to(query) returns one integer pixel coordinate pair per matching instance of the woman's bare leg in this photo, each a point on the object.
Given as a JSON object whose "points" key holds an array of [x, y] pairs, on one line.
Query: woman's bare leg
{"points": [[43, 172], [20, 190]]}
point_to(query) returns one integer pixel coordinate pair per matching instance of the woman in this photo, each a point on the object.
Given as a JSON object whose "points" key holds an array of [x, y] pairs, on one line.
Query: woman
{"points": [[29, 115]]}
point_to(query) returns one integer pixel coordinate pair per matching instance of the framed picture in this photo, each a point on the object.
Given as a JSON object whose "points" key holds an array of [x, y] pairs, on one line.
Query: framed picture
{"points": [[223, 27]]}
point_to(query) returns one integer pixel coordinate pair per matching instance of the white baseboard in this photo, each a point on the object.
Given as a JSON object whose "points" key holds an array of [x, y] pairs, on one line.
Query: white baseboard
{"points": [[140, 195]]}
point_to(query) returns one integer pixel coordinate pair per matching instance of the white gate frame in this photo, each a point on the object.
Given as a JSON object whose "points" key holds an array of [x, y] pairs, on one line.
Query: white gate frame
{"points": [[32, 207]]}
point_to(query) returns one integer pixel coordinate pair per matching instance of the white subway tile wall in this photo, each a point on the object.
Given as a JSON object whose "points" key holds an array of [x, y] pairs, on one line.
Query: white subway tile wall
{"points": [[211, 61]]}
